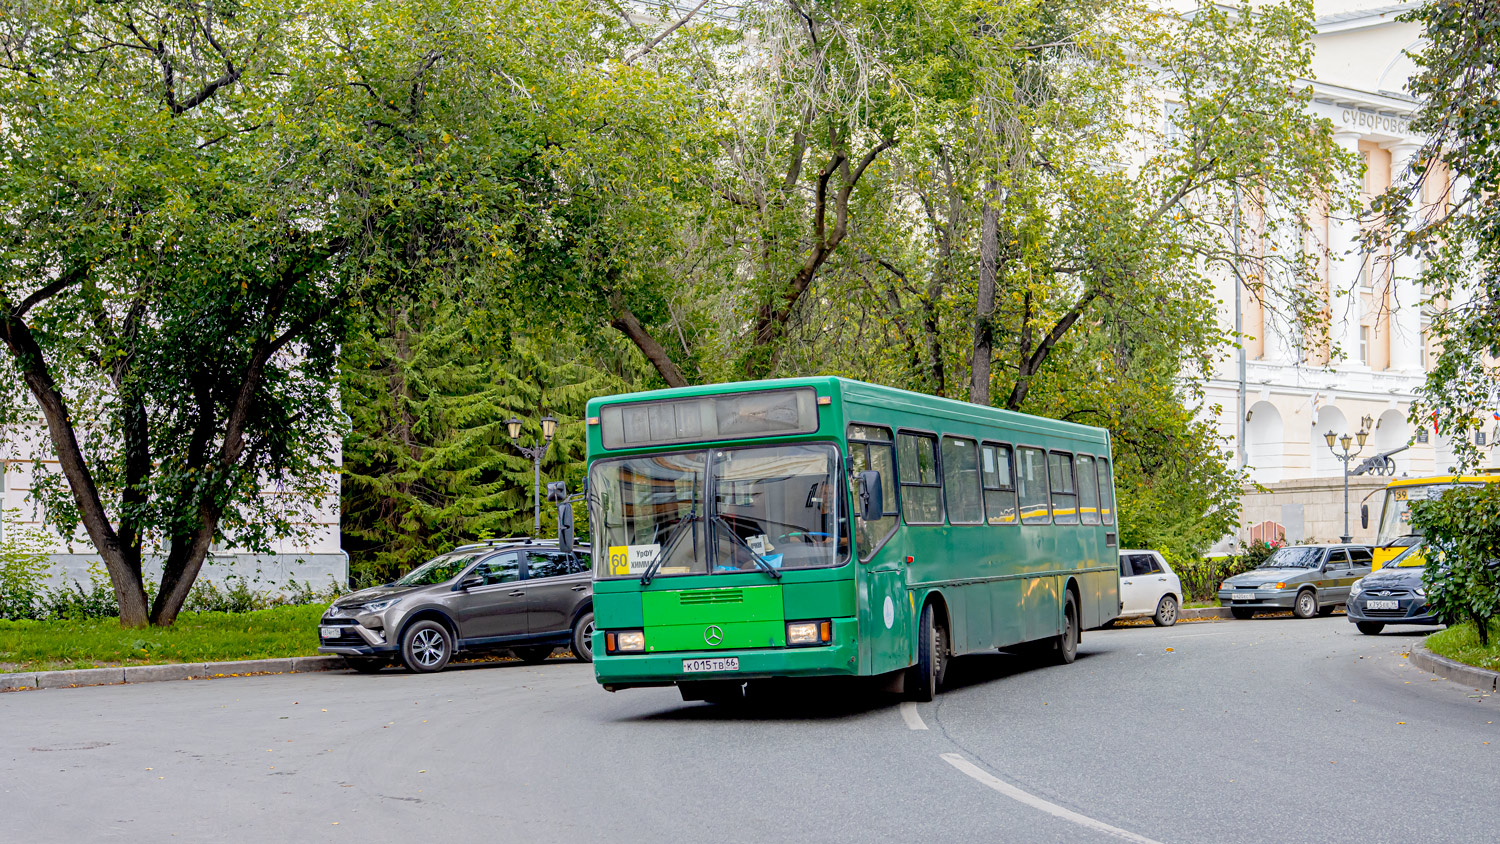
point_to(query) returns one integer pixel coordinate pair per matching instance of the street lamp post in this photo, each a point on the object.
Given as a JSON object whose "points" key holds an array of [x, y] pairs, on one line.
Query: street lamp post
{"points": [[1344, 441], [536, 453]]}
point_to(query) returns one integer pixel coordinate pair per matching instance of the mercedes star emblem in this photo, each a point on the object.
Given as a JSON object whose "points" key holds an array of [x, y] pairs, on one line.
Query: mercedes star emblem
{"points": [[712, 634]]}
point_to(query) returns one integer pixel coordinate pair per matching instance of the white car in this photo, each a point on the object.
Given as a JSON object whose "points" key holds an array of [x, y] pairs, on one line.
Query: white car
{"points": [[1148, 586]]}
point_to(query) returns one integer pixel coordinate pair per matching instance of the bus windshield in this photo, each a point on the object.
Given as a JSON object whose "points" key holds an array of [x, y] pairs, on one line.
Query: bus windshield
{"points": [[1395, 515], [719, 510]]}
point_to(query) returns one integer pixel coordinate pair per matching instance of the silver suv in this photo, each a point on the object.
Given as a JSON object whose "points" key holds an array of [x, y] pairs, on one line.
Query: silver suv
{"points": [[516, 595]]}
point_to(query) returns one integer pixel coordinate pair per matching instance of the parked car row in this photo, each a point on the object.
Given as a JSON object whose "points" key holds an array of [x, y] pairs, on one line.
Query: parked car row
{"points": [[525, 596], [1309, 580]]}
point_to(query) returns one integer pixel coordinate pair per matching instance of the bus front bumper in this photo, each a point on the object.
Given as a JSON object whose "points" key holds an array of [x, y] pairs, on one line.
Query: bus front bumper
{"points": [[625, 671]]}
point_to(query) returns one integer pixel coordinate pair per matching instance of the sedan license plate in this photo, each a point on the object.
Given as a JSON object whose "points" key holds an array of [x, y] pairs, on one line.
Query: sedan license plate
{"points": [[1242, 596], [725, 663], [328, 632], [1382, 605]]}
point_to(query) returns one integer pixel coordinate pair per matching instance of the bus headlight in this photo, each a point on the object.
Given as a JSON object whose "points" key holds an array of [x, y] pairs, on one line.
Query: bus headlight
{"points": [[625, 641], [809, 632]]}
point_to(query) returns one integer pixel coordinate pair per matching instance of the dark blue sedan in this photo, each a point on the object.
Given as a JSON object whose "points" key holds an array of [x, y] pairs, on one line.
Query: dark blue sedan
{"points": [[1392, 595]]}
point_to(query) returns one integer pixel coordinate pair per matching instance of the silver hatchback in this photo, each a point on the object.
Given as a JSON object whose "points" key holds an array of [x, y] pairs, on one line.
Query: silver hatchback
{"points": [[1309, 580]]}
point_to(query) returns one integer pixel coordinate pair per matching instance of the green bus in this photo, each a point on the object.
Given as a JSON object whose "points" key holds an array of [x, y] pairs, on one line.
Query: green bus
{"points": [[822, 526]]}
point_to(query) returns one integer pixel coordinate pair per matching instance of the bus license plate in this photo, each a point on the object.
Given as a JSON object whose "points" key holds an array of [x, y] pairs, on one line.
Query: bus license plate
{"points": [[725, 663], [1381, 605]]}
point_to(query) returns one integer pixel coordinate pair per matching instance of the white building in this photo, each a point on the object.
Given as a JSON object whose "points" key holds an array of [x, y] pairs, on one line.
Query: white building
{"points": [[1290, 397]]}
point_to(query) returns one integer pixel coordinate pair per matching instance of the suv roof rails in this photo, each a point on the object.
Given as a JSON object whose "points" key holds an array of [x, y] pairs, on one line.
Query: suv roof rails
{"points": [[498, 540]]}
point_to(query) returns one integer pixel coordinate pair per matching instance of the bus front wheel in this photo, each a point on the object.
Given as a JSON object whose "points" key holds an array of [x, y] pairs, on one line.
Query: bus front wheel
{"points": [[924, 678]]}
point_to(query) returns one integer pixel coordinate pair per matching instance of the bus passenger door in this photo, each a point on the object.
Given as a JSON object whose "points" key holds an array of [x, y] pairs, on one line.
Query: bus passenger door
{"points": [[885, 616], [885, 623]]}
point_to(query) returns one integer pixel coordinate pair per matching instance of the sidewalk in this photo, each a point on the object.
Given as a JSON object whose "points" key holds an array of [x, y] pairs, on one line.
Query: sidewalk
{"points": [[155, 673]]}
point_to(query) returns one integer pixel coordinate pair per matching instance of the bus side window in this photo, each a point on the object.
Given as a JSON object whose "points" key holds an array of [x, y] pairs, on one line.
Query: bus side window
{"points": [[921, 490], [999, 484], [1064, 490], [1031, 484], [1106, 492], [1088, 490], [870, 448], [961, 481]]}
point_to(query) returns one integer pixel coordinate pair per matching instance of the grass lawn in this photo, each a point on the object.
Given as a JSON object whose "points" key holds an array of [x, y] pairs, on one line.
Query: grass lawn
{"points": [[196, 637], [1461, 642]]}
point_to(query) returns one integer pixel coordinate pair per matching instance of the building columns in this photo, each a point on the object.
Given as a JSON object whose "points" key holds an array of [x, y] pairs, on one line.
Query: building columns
{"points": [[1344, 260], [1406, 291]]}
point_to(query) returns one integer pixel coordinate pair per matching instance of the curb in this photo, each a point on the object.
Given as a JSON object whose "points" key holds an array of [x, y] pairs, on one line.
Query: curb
{"points": [[1476, 678], [1205, 612], [173, 671]]}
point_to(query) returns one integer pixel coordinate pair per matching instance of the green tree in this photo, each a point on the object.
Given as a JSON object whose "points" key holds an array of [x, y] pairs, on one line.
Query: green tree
{"points": [[199, 197], [428, 463], [1457, 236], [1461, 540]]}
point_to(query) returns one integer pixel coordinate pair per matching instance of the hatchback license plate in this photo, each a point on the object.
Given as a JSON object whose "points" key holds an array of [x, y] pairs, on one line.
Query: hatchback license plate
{"points": [[725, 663], [1382, 605], [328, 632], [1242, 596]]}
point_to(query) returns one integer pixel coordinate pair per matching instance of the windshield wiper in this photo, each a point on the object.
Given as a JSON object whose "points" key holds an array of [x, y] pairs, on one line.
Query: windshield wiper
{"points": [[760, 561], [679, 530]]}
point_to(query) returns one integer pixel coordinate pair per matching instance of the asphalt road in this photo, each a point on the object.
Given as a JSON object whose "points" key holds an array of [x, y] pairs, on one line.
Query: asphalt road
{"points": [[1235, 731]]}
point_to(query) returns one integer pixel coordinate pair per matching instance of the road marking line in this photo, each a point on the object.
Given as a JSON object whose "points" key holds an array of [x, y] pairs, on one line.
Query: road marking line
{"points": [[986, 778], [910, 716]]}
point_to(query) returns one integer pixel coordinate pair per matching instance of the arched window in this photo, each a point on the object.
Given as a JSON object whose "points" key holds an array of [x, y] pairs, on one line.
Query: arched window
{"points": [[1265, 445]]}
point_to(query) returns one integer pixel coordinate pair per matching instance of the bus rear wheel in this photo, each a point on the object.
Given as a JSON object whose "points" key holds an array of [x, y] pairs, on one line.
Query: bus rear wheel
{"points": [[924, 678], [1065, 644]]}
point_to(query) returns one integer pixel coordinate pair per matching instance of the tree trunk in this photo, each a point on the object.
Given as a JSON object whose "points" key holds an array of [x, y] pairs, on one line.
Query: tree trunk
{"points": [[130, 592], [984, 327], [625, 322]]}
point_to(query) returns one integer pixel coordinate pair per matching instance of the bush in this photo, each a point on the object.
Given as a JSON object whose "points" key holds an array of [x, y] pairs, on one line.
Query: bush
{"points": [[73, 601], [24, 568], [1461, 531], [1201, 578], [236, 595]]}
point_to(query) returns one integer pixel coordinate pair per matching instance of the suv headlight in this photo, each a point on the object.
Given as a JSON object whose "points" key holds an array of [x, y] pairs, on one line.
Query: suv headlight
{"points": [[377, 606], [1355, 587]]}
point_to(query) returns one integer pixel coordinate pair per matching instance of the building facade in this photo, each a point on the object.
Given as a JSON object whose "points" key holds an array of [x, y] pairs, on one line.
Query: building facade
{"points": [[1279, 395]]}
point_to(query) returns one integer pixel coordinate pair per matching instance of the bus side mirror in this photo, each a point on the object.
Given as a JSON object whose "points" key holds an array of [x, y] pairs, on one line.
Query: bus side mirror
{"points": [[871, 496], [565, 527], [558, 491], [1364, 515]]}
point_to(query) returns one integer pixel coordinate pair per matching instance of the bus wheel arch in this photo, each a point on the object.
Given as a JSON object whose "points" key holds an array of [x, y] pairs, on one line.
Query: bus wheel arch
{"points": [[942, 616]]}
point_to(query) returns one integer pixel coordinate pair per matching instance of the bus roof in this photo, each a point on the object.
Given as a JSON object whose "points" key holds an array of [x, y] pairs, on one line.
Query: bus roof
{"points": [[1485, 476], [863, 393]]}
